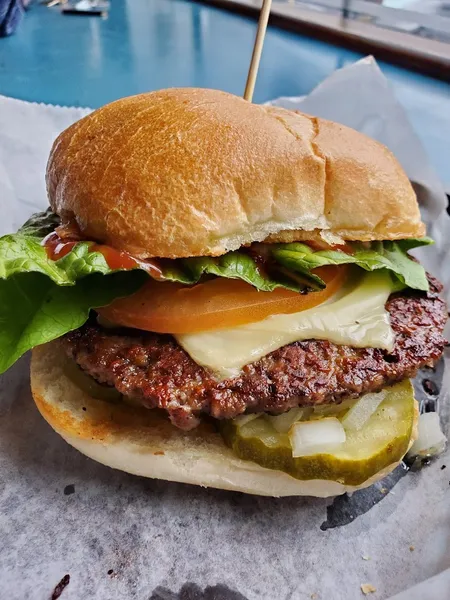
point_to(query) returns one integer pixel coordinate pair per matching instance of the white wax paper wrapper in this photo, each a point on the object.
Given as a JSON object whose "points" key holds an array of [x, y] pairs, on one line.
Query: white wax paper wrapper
{"points": [[120, 536]]}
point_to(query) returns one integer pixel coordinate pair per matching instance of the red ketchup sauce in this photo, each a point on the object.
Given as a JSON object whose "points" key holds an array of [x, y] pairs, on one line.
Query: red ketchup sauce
{"points": [[57, 248]]}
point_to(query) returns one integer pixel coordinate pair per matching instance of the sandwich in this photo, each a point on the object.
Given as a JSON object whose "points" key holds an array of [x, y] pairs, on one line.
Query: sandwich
{"points": [[222, 294]]}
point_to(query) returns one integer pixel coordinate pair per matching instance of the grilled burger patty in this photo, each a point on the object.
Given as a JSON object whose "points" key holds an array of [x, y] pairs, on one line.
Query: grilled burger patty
{"points": [[153, 369]]}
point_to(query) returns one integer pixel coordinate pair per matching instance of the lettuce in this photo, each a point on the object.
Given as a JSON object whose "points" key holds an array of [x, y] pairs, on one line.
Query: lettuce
{"points": [[35, 310], [42, 299], [238, 265], [390, 255]]}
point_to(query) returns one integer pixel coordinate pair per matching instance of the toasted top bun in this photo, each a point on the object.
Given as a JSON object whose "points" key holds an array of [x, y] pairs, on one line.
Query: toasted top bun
{"points": [[142, 442], [198, 172]]}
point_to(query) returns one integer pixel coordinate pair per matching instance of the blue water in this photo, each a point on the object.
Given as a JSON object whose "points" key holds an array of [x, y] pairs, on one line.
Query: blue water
{"points": [[150, 44]]}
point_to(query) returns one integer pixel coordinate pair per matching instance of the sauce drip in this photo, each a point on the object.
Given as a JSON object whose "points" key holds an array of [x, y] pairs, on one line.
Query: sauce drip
{"points": [[115, 258], [57, 247]]}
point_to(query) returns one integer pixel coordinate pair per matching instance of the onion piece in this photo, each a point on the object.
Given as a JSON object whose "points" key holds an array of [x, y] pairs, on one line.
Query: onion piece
{"points": [[283, 422], [316, 437], [430, 439], [362, 410]]}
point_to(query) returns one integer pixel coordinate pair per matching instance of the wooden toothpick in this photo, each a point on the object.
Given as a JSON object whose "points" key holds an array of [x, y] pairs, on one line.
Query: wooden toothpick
{"points": [[257, 50]]}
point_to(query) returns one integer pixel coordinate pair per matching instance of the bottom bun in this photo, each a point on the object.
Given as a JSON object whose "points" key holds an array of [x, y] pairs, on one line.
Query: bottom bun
{"points": [[144, 442]]}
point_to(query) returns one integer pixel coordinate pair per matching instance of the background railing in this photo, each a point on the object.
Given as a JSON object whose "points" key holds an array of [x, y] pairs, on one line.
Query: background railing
{"points": [[411, 33], [425, 18]]}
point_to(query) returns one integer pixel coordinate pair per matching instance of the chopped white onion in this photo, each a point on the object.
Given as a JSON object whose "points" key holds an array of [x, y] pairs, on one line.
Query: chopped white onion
{"points": [[430, 439], [362, 410], [244, 419], [316, 437], [283, 422]]}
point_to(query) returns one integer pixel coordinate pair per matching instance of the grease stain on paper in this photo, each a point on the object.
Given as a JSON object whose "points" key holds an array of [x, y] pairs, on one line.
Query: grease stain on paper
{"points": [[191, 591]]}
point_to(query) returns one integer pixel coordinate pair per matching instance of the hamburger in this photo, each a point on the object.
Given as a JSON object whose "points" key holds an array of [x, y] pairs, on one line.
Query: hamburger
{"points": [[222, 294]]}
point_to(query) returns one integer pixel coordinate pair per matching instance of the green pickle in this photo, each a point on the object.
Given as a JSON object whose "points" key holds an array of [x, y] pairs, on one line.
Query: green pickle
{"points": [[383, 440], [89, 385]]}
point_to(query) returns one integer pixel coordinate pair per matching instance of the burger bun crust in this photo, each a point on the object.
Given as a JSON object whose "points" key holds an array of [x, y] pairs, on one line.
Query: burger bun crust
{"points": [[197, 172]]}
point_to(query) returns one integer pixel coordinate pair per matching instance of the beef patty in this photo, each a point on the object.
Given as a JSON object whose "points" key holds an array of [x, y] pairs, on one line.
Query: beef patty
{"points": [[156, 371]]}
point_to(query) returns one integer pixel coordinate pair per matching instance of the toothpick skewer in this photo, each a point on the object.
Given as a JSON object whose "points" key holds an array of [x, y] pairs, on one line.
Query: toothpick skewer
{"points": [[257, 50]]}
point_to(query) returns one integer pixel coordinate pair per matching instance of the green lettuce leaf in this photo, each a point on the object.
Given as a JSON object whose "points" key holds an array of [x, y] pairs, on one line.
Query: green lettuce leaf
{"points": [[390, 255], [23, 252], [40, 224], [42, 299], [238, 265], [35, 310]]}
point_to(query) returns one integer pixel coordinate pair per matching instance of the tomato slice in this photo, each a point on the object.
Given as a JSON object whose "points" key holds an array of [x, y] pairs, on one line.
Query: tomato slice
{"points": [[166, 307]]}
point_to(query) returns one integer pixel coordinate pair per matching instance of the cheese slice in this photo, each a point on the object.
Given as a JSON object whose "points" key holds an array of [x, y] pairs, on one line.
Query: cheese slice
{"points": [[357, 317]]}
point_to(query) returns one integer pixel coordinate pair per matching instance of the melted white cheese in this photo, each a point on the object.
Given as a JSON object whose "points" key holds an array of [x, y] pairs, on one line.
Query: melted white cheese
{"points": [[357, 318]]}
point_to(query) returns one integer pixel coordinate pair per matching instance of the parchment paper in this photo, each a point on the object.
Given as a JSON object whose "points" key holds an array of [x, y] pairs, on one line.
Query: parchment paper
{"points": [[120, 536]]}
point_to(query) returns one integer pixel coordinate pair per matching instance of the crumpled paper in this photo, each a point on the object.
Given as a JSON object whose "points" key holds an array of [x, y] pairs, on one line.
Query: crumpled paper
{"points": [[120, 536]]}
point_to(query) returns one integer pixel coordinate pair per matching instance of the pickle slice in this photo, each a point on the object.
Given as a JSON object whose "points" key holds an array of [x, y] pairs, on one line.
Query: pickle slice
{"points": [[382, 441], [89, 385]]}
